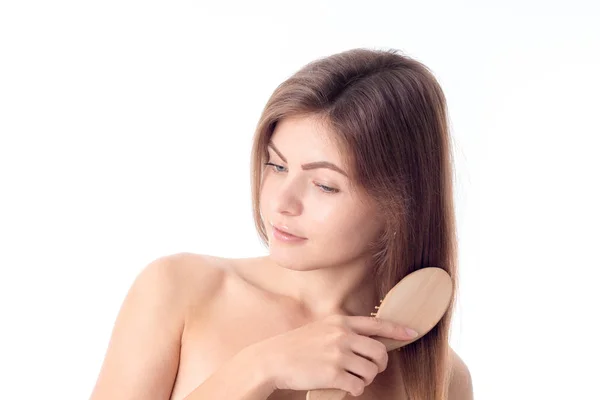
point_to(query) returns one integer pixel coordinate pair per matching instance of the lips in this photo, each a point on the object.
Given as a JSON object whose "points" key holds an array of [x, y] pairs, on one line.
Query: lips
{"points": [[286, 230]]}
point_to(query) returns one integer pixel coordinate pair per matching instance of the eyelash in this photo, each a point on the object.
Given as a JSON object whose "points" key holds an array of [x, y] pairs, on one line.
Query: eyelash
{"points": [[326, 189]]}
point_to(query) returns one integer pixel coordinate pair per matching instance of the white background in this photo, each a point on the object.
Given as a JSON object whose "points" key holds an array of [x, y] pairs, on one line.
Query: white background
{"points": [[125, 135]]}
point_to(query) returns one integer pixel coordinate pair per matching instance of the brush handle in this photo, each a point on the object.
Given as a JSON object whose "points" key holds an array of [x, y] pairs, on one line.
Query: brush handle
{"points": [[419, 301], [326, 394]]}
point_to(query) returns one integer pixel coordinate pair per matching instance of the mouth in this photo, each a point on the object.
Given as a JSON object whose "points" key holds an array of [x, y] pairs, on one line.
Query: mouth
{"points": [[285, 232]]}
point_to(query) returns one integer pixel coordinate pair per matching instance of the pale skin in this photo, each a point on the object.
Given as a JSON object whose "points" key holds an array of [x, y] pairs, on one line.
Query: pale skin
{"points": [[193, 322]]}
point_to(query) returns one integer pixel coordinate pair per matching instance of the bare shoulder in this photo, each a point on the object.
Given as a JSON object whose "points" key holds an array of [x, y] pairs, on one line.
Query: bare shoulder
{"points": [[143, 353], [461, 385], [182, 279], [197, 274]]}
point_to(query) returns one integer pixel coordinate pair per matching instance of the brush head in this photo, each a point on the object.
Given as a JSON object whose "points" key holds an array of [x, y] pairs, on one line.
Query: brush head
{"points": [[418, 301]]}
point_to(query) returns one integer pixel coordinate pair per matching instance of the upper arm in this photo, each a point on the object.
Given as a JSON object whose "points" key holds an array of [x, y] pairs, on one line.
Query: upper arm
{"points": [[461, 385], [143, 353]]}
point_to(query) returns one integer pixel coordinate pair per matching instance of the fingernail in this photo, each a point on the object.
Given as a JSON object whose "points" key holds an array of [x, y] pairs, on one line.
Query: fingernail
{"points": [[412, 333]]}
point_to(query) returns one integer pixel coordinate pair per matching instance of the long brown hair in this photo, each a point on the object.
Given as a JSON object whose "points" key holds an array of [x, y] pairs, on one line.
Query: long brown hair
{"points": [[389, 116]]}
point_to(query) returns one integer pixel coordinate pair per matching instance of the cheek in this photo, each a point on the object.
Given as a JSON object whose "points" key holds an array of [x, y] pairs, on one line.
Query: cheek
{"points": [[339, 225], [265, 194], [268, 189], [347, 228], [325, 215], [262, 204]]}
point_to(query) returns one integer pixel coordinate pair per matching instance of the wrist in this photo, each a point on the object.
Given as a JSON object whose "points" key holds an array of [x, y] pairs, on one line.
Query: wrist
{"points": [[259, 368]]}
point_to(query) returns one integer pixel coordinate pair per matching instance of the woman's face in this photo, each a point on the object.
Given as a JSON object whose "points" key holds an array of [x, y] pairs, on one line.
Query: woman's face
{"points": [[313, 202]]}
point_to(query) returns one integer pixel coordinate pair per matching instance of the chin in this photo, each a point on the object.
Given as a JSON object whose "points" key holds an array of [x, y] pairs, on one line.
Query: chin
{"points": [[290, 259]]}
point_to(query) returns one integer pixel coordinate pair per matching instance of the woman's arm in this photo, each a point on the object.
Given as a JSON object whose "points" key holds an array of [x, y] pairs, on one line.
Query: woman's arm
{"points": [[143, 353], [142, 358]]}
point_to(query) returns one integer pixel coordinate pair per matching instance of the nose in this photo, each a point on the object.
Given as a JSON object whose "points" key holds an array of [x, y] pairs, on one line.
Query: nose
{"points": [[287, 198]]}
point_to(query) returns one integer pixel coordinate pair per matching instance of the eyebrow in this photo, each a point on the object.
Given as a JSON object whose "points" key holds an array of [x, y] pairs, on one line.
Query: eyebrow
{"points": [[312, 165]]}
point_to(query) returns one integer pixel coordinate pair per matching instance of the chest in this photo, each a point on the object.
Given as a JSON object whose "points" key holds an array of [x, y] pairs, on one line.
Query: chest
{"points": [[231, 324]]}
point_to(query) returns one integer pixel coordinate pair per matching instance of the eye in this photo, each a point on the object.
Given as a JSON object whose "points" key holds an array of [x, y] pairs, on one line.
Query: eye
{"points": [[327, 189], [275, 166]]}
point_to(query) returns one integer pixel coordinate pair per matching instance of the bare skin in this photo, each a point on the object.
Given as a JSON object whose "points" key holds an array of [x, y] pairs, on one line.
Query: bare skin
{"points": [[225, 327], [187, 315]]}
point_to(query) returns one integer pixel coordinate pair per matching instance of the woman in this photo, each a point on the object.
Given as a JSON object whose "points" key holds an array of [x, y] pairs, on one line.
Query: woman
{"points": [[352, 191]]}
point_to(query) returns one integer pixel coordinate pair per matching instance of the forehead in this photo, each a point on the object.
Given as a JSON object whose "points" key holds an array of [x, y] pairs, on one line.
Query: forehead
{"points": [[306, 138]]}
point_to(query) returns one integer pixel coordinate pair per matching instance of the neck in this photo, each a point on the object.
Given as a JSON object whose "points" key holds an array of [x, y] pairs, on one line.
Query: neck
{"points": [[337, 289]]}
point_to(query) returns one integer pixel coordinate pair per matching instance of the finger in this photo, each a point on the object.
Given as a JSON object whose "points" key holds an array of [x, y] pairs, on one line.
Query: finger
{"points": [[372, 349], [360, 366], [350, 383], [373, 326]]}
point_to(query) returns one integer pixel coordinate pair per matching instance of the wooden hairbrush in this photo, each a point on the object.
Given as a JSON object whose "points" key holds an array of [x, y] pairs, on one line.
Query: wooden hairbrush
{"points": [[418, 301]]}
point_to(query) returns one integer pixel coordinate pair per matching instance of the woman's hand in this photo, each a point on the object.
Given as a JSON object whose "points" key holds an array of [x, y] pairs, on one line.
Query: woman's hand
{"points": [[335, 352]]}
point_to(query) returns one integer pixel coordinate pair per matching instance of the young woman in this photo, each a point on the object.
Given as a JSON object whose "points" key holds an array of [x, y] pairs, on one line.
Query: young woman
{"points": [[352, 191]]}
